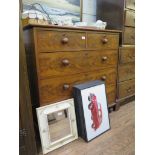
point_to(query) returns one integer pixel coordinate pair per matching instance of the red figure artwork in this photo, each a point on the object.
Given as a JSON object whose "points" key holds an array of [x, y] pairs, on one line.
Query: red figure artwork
{"points": [[96, 111]]}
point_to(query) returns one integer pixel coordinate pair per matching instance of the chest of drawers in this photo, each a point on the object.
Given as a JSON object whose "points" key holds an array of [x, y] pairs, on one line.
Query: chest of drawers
{"points": [[120, 15], [60, 57]]}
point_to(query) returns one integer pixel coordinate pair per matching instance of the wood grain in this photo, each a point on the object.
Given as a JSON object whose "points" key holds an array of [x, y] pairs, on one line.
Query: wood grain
{"points": [[126, 71], [126, 88], [129, 18], [129, 35], [96, 41], [120, 140], [127, 54], [58, 58], [27, 141], [120, 15], [53, 64], [57, 89], [49, 41]]}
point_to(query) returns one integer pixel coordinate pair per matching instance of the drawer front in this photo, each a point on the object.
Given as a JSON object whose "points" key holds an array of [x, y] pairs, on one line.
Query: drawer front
{"points": [[57, 89], [129, 35], [102, 41], [126, 72], [49, 41], [129, 18], [111, 94], [130, 4], [126, 54], [68, 63], [126, 88]]}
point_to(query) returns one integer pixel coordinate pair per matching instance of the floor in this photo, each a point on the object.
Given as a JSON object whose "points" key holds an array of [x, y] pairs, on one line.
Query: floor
{"points": [[120, 140]]}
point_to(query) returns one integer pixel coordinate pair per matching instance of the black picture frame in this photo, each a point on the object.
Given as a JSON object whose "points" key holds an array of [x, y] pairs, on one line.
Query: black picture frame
{"points": [[86, 128]]}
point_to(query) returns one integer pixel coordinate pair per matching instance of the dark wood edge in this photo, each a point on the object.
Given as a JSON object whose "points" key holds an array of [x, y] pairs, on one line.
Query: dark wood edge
{"points": [[69, 27], [125, 98], [25, 107], [111, 105]]}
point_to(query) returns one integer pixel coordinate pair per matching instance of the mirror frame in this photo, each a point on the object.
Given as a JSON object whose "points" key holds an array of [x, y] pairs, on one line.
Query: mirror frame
{"points": [[42, 113]]}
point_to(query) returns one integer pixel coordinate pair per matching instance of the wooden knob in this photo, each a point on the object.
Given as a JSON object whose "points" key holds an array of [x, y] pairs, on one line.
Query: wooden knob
{"points": [[129, 90], [104, 58], [65, 40], [103, 77], [66, 86], [65, 62], [131, 57], [104, 40]]}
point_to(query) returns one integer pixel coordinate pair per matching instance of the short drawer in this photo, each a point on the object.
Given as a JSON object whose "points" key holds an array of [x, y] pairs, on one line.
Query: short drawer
{"points": [[49, 41], [127, 54], [57, 89], [126, 72], [129, 18], [68, 63], [102, 41], [130, 4], [126, 88], [129, 35]]}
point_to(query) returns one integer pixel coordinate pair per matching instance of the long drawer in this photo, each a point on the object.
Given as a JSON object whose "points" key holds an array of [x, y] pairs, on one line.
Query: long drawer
{"points": [[56, 89], [129, 18], [126, 88], [50, 41], [126, 72], [126, 54], [129, 35], [102, 41], [68, 63]]}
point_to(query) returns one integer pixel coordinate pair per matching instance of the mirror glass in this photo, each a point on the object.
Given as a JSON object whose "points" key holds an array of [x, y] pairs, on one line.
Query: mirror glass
{"points": [[59, 124]]}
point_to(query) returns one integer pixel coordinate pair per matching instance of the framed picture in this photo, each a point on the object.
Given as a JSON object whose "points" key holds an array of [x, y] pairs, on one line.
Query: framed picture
{"points": [[91, 109], [57, 125], [56, 8]]}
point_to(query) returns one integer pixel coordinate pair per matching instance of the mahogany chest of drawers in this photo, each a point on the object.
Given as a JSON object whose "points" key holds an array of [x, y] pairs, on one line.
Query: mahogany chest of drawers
{"points": [[120, 15], [60, 57]]}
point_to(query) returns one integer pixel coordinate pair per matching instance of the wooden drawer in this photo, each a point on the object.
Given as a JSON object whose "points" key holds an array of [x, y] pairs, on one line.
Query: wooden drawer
{"points": [[67, 63], [127, 54], [126, 88], [49, 41], [129, 18], [129, 35], [102, 41], [111, 94], [126, 72], [130, 4], [57, 89]]}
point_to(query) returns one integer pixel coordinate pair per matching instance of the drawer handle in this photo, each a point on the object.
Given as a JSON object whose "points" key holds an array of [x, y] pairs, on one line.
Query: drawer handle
{"points": [[104, 40], [103, 77], [66, 86], [131, 57], [129, 90], [65, 62], [65, 40], [104, 58]]}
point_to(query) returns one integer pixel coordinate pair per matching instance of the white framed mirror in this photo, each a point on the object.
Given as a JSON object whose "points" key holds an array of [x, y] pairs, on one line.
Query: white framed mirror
{"points": [[57, 124]]}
